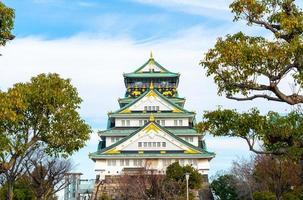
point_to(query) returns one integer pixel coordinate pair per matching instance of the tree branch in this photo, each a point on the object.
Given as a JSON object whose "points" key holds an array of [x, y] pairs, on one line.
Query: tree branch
{"points": [[254, 97], [268, 26]]}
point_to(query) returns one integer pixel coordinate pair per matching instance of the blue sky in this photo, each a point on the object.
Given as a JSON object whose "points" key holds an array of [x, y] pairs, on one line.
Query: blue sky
{"points": [[141, 20], [94, 41]]}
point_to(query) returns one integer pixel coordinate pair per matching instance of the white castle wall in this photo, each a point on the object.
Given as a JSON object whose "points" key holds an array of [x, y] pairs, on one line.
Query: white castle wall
{"points": [[103, 167], [136, 122]]}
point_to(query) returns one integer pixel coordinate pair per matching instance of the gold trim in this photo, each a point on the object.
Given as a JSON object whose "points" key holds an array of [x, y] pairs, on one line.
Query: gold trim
{"points": [[112, 151], [150, 127], [191, 151], [127, 110], [151, 118], [176, 110], [151, 86], [151, 94]]}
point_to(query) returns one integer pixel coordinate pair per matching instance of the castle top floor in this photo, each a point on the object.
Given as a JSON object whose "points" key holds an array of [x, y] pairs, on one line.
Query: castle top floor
{"points": [[151, 73]]}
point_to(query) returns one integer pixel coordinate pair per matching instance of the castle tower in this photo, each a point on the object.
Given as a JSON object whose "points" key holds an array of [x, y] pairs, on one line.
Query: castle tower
{"points": [[152, 129]]}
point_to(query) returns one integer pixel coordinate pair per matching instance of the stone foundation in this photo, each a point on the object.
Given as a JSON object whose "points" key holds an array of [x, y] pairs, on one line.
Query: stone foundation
{"points": [[110, 187]]}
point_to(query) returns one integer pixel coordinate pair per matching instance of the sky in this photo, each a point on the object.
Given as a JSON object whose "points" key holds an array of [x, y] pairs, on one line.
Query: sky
{"points": [[93, 42]]}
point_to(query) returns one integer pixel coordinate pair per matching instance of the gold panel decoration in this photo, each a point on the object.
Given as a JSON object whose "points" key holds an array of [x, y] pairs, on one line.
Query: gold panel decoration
{"points": [[151, 127], [191, 151], [176, 110], [112, 151], [127, 110]]}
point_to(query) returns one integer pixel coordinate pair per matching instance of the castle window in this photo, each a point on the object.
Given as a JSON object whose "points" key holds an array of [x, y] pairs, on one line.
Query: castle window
{"points": [[124, 162], [145, 144], [162, 122], [176, 122], [158, 144], [111, 162], [149, 144], [151, 108], [137, 162], [154, 144], [163, 144], [127, 122], [180, 123], [140, 123], [123, 122], [191, 139], [121, 162], [139, 144]]}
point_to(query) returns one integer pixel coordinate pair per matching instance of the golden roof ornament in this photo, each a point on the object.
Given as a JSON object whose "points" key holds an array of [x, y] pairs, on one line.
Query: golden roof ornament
{"points": [[151, 86], [152, 118], [151, 55]]}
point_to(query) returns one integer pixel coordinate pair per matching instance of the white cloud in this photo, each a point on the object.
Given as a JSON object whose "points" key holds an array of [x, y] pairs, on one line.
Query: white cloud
{"points": [[218, 9]]}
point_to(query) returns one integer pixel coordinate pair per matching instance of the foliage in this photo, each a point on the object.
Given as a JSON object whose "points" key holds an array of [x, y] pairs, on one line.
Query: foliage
{"points": [[240, 63], [266, 177], [22, 190], [7, 16], [177, 173], [224, 187], [277, 175], [280, 134], [104, 197], [264, 196], [296, 194], [42, 113]]}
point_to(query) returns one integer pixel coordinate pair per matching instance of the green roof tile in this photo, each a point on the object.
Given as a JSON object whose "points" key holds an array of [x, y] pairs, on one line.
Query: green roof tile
{"points": [[147, 114], [127, 131], [150, 75], [202, 151], [97, 155], [159, 94]]}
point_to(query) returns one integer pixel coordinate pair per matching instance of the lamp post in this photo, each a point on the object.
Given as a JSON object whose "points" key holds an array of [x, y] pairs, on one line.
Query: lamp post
{"points": [[187, 177]]}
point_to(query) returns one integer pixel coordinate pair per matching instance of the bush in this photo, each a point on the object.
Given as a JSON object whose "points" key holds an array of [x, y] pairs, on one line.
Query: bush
{"points": [[177, 173], [224, 187], [264, 196]]}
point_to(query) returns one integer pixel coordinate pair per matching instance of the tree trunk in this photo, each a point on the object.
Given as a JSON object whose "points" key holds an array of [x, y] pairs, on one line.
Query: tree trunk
{"points": [[10, 191]]}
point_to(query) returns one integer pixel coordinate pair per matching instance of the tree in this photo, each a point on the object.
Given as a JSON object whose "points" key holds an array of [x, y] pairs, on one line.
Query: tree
{"points": [[46, 175], [277, 175], [243, 171], [254, 66], [224, 187], [7, 16], [22, 190], [280, 135], [41, 113], [263, 177], [177, 173], [148, 184]]}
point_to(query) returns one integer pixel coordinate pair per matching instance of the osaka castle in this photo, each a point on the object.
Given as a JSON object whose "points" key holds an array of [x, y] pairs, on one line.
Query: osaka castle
{"points": [[151, 129]]}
